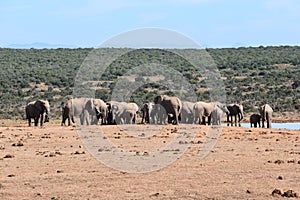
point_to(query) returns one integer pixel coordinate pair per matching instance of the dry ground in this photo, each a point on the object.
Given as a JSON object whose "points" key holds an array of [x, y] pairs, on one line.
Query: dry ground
{"points": [[52, 162]]}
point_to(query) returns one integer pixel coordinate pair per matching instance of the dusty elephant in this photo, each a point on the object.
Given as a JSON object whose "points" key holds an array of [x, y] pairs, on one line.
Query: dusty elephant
{"points": [[152, 113], [255, 120], [187, 116], [146, 109], [236, 111], [266, 112], [171, 105], [122, 112], [100, 111], [78, 107], [37, 110], [201, 110], [218, 112]]}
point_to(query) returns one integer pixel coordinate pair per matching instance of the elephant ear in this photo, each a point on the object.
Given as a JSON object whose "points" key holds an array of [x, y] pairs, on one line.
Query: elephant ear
{"points": [[158, 99], [40, 105], [89, 105]]}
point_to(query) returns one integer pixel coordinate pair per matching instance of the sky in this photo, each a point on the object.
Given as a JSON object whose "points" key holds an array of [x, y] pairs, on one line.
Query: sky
{"points": [[210, 23]]}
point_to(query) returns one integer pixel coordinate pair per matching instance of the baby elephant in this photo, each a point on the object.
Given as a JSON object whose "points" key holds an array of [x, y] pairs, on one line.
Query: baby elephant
{"points": [[255, 119]]}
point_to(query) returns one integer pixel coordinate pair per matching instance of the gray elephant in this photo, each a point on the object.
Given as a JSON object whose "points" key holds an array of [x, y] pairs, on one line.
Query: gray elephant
{"points": [[236, 111], [37, 110], [122, 112], [187, 116], [78, 107], [149, 113], [218, 112], [100, 111], [255, 120], [170, 105], [201, 110], [266, 112]]}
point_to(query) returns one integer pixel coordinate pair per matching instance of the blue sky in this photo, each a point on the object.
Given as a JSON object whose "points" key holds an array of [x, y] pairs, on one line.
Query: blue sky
{"points": [[211, 23]]}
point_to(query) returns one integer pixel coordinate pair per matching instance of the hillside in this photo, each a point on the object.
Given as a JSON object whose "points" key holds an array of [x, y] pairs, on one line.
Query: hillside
{"points": [[251, 76]]}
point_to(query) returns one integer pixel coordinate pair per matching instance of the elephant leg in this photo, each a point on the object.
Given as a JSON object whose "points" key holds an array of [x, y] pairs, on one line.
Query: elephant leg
{"points": [[41, 120], [176, 120], [29, 121], [63, 121], [203, 120], [209, 120], [82, 119], [250, 125], [143, 117], [36, 121]]}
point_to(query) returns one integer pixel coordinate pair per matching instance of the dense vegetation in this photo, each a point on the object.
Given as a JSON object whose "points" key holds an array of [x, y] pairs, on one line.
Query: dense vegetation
{"points": [[251, 76]]}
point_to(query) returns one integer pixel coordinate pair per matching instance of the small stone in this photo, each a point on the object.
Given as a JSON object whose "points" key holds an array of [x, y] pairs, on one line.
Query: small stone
{"points": [[279, 178], [289, 193], [291, 161], [77, 152], [146, 153], [248, 192], [51, 154], [8, 156], [279, 162], [276, 192]]}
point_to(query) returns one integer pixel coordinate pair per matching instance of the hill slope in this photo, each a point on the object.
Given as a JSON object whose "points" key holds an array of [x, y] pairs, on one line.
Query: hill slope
{"points": [[251, 76]]}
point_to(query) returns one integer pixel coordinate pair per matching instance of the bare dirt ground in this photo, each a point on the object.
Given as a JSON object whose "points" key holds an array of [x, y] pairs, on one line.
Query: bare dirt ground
{"points": [[53, 163]]}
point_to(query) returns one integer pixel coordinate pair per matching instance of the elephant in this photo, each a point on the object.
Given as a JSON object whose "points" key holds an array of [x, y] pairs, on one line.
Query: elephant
{"points": [[217, 113], [266, 115], [254, 120], [100, 111], [171, 105], [82, 107], [146, 109], [122, 112], [36, 110], [187, 115], [150, 113], [235, 110], [201, 110]]}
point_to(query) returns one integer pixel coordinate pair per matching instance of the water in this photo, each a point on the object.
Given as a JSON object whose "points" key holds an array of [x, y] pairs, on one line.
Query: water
{"points": [[289, 125]]}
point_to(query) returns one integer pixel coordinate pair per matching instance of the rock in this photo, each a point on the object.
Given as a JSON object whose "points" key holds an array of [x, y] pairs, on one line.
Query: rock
{"points": [[155, 194], [277, 192], [289, 193], [279, 162], [8, 156], [18, 144], [291, 161], [279, 178], [248, 192]]}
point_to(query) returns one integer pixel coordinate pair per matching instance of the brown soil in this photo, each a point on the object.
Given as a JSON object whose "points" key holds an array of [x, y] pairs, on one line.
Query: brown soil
{"points": [[52, 162]]}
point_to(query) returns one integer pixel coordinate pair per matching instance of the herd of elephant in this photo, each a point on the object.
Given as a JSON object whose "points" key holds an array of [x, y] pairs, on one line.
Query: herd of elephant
{"points": [[163, 110]]}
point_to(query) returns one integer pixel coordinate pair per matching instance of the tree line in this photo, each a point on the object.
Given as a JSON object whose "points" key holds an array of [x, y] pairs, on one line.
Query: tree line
{"points": [[252, 76]]}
